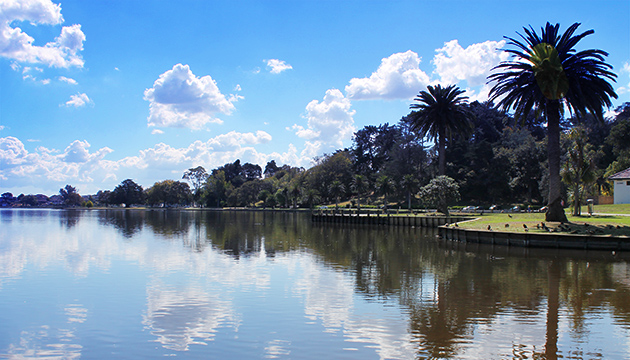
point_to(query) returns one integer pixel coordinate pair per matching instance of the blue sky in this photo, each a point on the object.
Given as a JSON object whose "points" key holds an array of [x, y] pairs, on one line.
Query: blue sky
{"points": [[95, 92]]}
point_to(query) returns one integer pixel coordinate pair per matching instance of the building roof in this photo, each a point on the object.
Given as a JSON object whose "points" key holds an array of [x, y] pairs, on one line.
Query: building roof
{"points": [[622, 175]]}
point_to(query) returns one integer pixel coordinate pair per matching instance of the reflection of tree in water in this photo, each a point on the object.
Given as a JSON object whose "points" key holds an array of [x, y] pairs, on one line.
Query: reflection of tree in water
{"points": [[70, 217], [245, 233], [448, 290], [128, 221]]}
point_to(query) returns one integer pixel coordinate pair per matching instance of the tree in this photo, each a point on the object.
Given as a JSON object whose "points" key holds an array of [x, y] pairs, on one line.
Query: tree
{"points": [[384, 186], [128, 193], [618, 140], [168, 192], [197, 177], [360, 186], [70, 196], [439, 192], [546, 75], [216, 189], [311, 197], [271, 168], [409, 183], [441, 113], [336, 190], [579, 170]]}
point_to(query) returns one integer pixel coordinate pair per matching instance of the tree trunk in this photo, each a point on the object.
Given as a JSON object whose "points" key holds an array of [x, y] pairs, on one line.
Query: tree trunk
{"points": [[555, 211], [441, 152]]}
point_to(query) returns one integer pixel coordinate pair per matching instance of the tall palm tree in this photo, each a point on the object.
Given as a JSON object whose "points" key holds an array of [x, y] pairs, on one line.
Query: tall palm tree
{"points": [[410, 184], [360, 186], [384, 186], [547, 74], [440, 114], [336, 189]]}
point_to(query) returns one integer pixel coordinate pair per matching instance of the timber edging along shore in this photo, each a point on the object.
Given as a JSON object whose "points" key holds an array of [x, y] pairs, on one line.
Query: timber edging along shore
{"points": [[553, 241], [384, 219]]}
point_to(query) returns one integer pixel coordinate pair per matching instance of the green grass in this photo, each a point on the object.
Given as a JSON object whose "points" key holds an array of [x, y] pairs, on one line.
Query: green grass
{"points": [[597, 224], [609, 209]]}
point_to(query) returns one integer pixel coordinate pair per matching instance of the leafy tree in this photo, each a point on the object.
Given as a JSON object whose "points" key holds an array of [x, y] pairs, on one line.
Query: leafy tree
{"points": [[440, 114], [618, 140], [546, 75], [329, 168], [271, 168], [336, 190], [70, 196], [440, 192], [384, 186], [372, 147], [197, 177], [104, 197], [579, 170], [169, 192], [360, 186], [128, 193], [410, 185], [216, 189], [311, 197]]}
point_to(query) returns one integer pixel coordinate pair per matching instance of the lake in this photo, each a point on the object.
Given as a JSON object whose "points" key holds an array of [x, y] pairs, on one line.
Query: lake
{"points": [[134, 284]]}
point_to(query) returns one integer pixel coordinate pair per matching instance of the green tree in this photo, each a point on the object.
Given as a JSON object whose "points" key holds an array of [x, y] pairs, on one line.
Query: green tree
{"points": [[128, 193], [546, 75], [440, 114], [360, 186], [70, 196], [384, 186], [440, 192], [579, 171], [409, 184], [197, 177], [216, 189], [336, 190], [168, 192]]}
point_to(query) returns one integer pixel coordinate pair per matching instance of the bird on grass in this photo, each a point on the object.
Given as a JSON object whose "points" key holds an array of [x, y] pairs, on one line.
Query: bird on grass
{"points": [[489, 227], [510, 216], [456, 225], [507, 225], [525, 227]]}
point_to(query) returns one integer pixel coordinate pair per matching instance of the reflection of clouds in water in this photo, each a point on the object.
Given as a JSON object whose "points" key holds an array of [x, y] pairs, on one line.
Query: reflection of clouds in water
{"points": [[277, 348], [76, 313], [45, 343], [329, 296], [180, 318]]}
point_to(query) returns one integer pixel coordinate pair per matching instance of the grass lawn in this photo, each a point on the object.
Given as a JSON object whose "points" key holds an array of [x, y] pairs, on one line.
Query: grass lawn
{"points": [[587, 225], [609, 209]]}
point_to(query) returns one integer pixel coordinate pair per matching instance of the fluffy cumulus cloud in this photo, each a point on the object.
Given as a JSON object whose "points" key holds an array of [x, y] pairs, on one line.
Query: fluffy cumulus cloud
{"points": [[78, 100], [276, 66], [473, 64], [330, 123], [624, 76], [49, 169], [17, 45], [180, 99], [398, 77], [19, 167]]}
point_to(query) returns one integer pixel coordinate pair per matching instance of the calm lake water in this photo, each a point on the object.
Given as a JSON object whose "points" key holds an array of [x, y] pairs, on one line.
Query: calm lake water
{"points": [[252, 285]]}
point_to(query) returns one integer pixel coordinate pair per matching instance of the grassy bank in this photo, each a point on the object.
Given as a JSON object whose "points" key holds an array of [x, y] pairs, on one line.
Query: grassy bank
{"points": [[533, 222]]}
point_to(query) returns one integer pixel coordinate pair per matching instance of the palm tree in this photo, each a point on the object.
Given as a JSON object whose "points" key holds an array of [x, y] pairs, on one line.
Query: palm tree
{"points": [[546, 74], [440, 114], [360, 186], [336, 189], [384, 186], [410, 184]]}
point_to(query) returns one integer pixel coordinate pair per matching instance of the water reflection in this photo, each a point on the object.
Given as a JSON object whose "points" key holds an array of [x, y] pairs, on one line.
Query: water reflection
{"points": [[279, 281]]}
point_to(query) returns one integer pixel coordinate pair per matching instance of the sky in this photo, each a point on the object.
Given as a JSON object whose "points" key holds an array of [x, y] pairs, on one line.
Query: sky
{"points": [[96, 92]]}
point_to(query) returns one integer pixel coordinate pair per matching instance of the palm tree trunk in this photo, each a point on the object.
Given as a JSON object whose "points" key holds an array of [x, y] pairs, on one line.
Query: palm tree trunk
{"points": [[555, 211], [441, 152]]}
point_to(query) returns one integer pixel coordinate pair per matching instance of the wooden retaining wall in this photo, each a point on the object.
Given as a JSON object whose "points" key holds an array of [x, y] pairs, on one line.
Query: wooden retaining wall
{"points": [[554, 241], [376, 218]]}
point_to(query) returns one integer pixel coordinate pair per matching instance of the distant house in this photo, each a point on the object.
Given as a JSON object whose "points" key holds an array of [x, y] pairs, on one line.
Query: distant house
{"points": [[622, 186]]}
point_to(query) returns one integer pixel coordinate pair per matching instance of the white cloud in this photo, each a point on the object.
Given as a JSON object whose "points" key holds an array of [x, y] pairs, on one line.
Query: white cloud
{"points": [[180, 99], [453, 63], [157, 131], [276, 66], [330, 123], [624, 89], [18, 45], [398, 77], [67, 80], [78, 100], [20, 167]]}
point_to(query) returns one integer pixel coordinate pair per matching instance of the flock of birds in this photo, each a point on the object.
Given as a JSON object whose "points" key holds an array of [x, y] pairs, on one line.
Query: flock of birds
{"points": [[587, 229]]}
